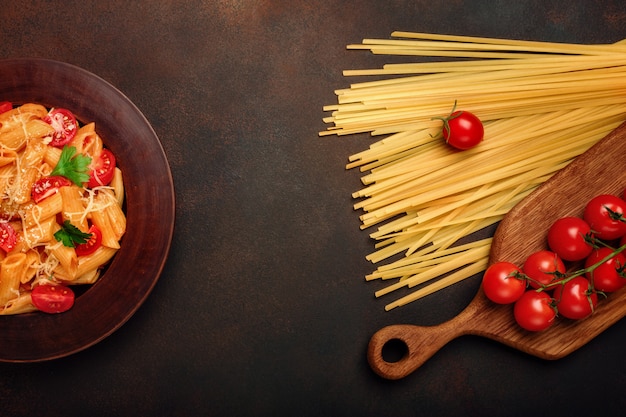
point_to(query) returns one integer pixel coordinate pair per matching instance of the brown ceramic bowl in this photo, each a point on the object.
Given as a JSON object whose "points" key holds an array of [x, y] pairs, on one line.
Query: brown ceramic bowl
{"points": [[103, 307]]}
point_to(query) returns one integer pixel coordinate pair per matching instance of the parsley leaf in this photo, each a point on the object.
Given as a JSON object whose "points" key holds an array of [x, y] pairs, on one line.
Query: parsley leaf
{"points": [[73, 167], [71, 235]]}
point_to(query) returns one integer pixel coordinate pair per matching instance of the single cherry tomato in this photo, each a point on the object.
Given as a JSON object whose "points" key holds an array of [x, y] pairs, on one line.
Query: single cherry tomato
{"points": [[543, 267], [610, 275], [569, 238], [605, 215], [576, 299], [64, 124], [47, 186], [463, 130], [102, 169], [52, 298], [5, 106], [94, 242], [502, 283], [534, 311], [8, 237]]}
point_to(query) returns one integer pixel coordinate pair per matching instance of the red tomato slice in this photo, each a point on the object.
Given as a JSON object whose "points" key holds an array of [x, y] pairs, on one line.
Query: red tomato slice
{"points": [[52, 298], [64, 124], [47, 186], [5, 106], [8, 237], [94, 242], [102, 169]]}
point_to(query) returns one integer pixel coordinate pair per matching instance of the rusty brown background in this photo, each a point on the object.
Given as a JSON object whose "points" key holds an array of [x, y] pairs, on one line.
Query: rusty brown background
{"points": [[262, 308]]}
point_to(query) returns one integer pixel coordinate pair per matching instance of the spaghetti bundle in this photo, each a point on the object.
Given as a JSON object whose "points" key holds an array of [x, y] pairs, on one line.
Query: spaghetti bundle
{"points": [[542, 104]]}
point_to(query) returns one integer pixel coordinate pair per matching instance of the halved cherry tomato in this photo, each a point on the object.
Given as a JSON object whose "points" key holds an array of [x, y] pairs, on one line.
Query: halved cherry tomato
{"points": [[102, 169], [8, 237], [534, 311], [575, 299], [64, 124], [94, 242], [47, 186], [5, 106], [52, 298]]}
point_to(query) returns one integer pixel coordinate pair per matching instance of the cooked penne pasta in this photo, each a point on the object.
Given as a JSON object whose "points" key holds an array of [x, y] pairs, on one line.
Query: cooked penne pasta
{"points": [[73, 208], [61, 219], [12, 269]]}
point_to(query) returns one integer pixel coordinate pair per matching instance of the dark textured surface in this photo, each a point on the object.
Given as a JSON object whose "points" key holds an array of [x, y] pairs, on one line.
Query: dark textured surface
{"points": [[262, 308]]}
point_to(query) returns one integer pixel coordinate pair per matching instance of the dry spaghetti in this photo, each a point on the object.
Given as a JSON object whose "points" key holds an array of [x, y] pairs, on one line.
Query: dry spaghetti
{"points": [[542, 104]]}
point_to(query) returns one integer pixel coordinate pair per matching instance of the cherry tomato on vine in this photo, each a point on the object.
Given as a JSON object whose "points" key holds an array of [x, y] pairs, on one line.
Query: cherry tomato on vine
{"points": [[605, 215], [462, 129], [8, 237], [543, 267], [576, 299], [52, 298], [102, 169], [64, 124], [534, 311], [569, 238], [502, 284], [610, 275]]}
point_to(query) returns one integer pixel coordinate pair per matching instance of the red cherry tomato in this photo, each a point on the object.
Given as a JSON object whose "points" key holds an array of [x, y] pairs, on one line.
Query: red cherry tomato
{"points": [[609, 276], [47, 186], [463, 130], [5, 106], [575, 299], [52, 298], [64, 124], [102, 169], [94, 242], [534, 311], [8, 237], [501, 283], [569, 238], [543, 267], [605, 215]]}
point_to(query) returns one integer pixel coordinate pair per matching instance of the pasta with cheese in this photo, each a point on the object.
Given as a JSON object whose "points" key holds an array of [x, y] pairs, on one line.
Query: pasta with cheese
{"points": [[542, 104], [37, 203]]}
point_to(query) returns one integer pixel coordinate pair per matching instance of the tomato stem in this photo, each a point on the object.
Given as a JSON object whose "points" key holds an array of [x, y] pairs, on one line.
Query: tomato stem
{"points": [[583, 271], [446, 120]]}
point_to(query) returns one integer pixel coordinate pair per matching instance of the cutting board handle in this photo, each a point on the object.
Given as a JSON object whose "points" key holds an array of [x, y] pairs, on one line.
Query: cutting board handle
{"points": [[421, 342]]}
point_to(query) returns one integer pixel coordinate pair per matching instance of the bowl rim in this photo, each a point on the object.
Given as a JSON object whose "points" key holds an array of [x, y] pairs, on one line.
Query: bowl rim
{"points": [[136, 268]]}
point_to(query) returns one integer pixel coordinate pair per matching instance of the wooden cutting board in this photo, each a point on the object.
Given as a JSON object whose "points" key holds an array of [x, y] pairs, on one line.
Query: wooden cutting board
{"points": [[602, 169]]}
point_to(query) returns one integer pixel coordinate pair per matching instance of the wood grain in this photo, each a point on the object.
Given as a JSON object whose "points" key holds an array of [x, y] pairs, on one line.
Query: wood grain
{"points": [[602, 169]]}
